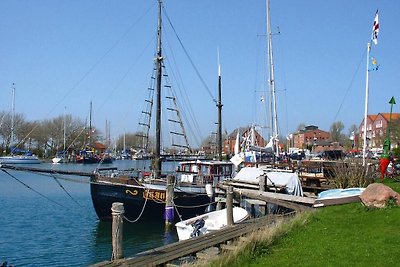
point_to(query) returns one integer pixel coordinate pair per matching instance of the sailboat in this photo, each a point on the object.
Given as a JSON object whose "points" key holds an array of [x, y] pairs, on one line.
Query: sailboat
{"points": [[254, 153], [61, 157], [144, 194], [88, 154], [23, 156]]}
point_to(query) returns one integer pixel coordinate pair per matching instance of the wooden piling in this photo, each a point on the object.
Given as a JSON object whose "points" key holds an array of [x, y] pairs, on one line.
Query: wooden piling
{"points": [[118, 211], [169, 205], [229, 205], [262, 182], [263, 187]]}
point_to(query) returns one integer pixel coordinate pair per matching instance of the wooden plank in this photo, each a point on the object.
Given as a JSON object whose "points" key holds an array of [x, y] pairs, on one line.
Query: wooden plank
{"points": [[272, 197], [180, 249]]}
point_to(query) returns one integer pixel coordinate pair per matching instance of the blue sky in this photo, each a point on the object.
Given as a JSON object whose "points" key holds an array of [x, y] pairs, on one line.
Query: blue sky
{"points": [[68, 53]]}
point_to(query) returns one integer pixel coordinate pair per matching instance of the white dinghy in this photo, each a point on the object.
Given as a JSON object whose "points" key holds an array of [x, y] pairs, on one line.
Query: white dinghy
{"points": [[208, 222]]}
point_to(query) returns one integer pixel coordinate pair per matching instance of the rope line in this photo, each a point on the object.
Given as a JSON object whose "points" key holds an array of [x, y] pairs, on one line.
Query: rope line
{"points": [[37, 192], [65, 190], [141, 212]]}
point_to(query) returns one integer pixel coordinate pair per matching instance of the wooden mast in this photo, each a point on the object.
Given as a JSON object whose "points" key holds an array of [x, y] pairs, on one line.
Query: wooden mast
{"points": [[219, 105], [159, 61]]}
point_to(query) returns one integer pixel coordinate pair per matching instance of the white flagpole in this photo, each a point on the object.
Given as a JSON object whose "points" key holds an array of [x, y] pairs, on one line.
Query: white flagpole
{"points": [[366, 106]]}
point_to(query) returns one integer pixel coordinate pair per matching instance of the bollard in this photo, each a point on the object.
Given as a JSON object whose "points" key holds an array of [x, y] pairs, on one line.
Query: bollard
{"points": [[117, 210], [169, 205], [229, 205]]}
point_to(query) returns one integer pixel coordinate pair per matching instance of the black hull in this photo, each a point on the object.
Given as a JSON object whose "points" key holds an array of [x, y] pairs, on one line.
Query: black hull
{"points": [[148, 205], [94, 161]]}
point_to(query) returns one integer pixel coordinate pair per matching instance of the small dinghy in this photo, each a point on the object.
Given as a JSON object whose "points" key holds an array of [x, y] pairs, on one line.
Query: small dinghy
{"points": [[208, 222], [338, 196]]}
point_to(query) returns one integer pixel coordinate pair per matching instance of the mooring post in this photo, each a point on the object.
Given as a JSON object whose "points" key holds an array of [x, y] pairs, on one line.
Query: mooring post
{"points": [[262, 183], [263, 187], [169, 205], [229, 205], [117, 211]]}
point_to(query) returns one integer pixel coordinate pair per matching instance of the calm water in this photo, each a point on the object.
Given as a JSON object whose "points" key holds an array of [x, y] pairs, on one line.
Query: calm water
{"points": [[61, 229]]}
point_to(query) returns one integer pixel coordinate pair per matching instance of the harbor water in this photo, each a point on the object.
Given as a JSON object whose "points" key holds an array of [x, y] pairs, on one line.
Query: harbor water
{"points": [[50, 221]]}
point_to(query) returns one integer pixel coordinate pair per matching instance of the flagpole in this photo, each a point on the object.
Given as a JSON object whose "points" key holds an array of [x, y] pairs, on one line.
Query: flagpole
{"points": [[366, 105]]}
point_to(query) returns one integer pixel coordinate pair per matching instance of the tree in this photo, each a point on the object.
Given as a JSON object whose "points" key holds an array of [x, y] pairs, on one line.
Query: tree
{"points": [[301, 127], [336, 132], [351, 140]]}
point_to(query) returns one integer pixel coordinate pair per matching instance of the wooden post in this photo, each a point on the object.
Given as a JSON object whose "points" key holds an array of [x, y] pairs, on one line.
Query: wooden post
{"points": [[229, 205], [117, 210], [262, 182], [169, 206]]}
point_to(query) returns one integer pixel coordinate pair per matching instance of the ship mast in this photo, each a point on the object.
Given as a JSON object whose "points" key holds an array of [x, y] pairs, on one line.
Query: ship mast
{"points": [[272, 90], [219, 106], [159, 62], [12, 118]]}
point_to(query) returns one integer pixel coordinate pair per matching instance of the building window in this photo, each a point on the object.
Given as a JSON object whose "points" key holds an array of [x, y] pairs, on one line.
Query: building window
{"points": [[379, 124], [369, 127]]}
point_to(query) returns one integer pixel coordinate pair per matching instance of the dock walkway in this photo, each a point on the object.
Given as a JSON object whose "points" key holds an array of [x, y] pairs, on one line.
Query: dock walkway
{"points": [[162, 255]]}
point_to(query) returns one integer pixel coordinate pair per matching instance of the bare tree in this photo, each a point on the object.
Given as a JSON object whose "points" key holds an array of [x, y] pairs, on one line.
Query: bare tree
{"points": [[336, 132]]}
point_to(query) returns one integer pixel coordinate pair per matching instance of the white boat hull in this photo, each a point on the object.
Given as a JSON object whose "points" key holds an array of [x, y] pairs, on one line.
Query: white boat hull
{"points": [[19, 160], [213, 221]]}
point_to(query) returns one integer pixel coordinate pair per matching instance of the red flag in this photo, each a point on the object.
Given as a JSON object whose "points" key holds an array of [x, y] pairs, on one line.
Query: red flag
{"points": [[375, 29]]}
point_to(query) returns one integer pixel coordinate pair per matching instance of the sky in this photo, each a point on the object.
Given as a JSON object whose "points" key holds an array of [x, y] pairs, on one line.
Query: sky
{"points": [[62, 55]]}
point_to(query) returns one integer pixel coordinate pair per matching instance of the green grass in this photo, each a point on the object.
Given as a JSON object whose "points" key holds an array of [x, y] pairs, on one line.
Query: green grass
{"points": [[343, 235]]}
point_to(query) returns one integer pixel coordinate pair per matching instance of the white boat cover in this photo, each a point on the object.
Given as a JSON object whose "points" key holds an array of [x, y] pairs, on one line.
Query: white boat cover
{"points": [[289, 180]]}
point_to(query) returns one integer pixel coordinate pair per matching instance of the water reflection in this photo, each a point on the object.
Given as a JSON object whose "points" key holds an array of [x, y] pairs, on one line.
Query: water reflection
{"points": [[137, 237]]}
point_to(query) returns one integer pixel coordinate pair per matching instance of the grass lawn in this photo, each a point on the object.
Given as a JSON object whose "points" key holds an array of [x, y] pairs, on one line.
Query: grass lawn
{"points": [[343, 235]]}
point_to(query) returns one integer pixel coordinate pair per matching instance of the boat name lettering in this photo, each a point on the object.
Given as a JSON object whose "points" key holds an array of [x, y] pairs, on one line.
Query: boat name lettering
{"points": [[155, 195]]}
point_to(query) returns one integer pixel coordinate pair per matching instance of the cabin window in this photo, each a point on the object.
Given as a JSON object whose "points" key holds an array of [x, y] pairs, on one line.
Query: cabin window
{"points": [[205, 169], [186, 168], [195, 168]]}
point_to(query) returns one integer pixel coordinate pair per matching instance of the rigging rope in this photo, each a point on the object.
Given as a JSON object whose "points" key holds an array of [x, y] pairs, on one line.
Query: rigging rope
{"points": [[189, 58], [37, 192], [65, 190], [350, 85]]}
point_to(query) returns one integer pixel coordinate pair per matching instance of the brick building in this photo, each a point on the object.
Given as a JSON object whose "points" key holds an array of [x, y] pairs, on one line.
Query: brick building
{"points": [[244, 134], [310, 137], [376, 129]]}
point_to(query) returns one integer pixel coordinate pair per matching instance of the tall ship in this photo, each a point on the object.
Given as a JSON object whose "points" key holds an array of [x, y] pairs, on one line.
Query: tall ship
{"points": [[144, 193]]}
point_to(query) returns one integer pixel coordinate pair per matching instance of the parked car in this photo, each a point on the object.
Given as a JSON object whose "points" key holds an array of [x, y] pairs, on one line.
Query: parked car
{"points": [[330, 154]]}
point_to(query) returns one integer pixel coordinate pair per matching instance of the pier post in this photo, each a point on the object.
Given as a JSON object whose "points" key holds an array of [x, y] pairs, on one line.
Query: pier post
{"points": [[263, 188], [229, 205], [262, 182], [118, 211], [169, 205]]}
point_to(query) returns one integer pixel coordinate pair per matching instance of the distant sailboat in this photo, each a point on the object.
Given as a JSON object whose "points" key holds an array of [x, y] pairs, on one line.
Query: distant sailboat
{"points": [[24, 157], [253, 152], [61, 157]]}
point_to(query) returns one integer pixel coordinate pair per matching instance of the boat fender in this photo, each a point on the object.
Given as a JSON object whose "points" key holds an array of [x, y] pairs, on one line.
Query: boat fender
{"points": [[209, 190]]}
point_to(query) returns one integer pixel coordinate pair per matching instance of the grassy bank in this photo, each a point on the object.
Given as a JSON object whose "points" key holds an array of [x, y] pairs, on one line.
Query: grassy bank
{"points": [[332, 236]]}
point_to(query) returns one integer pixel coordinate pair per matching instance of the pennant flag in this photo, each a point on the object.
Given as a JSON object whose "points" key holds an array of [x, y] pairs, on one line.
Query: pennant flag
{"points": [[373, 61], [374, 64], [375, 29]]}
